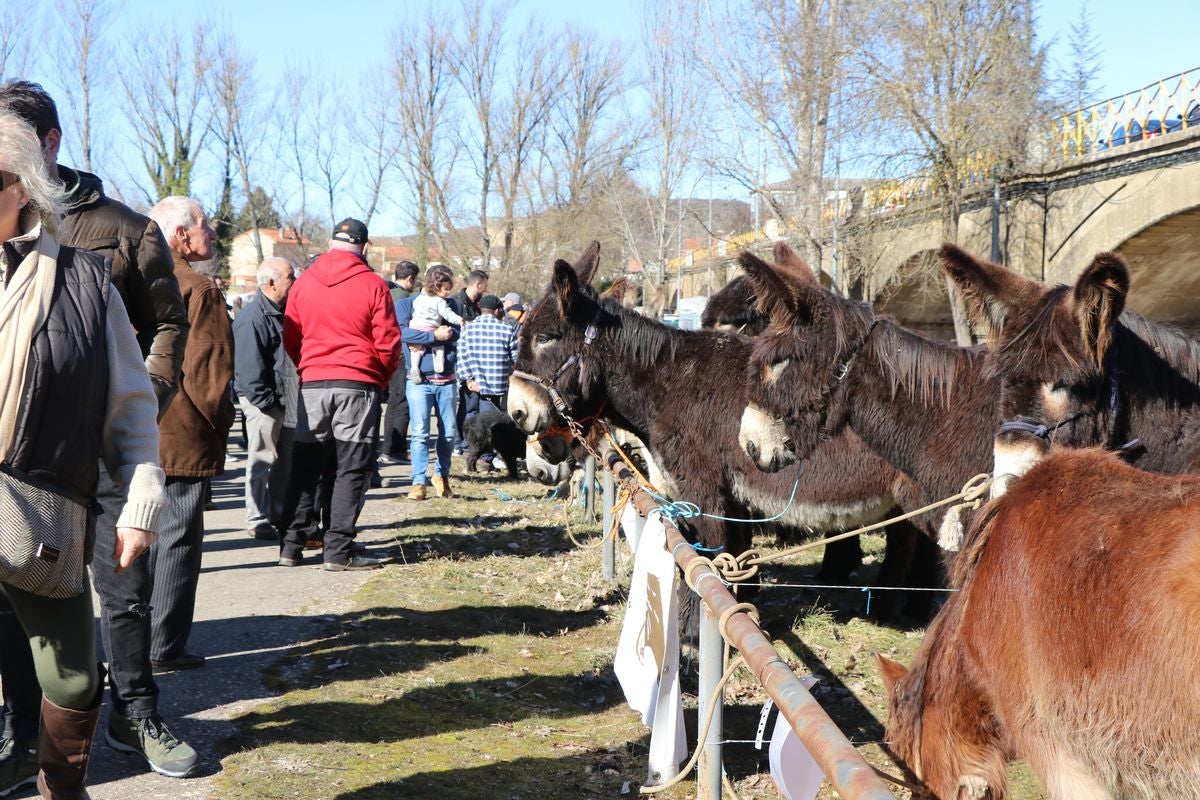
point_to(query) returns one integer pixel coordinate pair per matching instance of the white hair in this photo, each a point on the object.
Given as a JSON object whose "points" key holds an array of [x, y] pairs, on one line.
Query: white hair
{"points": [[21, 154], [174, 212], [272, 269]]}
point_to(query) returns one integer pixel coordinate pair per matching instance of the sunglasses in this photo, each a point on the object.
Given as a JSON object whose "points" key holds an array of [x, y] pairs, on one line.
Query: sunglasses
{"points": [[7, 179]]}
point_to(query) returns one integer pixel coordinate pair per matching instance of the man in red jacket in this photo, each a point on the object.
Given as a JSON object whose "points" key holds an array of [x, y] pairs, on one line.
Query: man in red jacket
{"points": [[340, 330]]}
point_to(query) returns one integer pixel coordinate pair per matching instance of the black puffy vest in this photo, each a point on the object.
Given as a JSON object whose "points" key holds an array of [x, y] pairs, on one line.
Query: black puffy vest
{"points": [[61, 422]]}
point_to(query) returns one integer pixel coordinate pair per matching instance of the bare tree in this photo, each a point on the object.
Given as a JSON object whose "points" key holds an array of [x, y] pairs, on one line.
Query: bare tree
{"points": [[163, 81], [1078, 80], [775, 64], [477, 60], [376, 139], [588, 146], [536, 84], [236, 123], [674, 104], [84, 57], [961, 79], [17, 54], [423, 79]]}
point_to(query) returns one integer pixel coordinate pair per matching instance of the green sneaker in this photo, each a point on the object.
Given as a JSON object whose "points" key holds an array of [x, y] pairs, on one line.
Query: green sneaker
{"points": [[150, 739], [18, 766]]}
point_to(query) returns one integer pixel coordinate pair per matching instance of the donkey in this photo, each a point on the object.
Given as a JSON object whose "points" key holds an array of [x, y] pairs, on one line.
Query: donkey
{"points": [[1072, 643], [680, 393], [1077, 370], [733, 309], [827, 364]]}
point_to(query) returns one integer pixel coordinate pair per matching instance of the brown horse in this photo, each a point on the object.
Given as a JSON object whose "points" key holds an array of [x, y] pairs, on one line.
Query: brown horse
{"points": [[1072, 644], [681, 393], [1077, 370], [827, 364]]}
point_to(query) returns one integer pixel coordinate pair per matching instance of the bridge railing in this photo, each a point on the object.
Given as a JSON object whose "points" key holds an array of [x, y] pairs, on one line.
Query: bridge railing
{"points": [[1164, 107]]}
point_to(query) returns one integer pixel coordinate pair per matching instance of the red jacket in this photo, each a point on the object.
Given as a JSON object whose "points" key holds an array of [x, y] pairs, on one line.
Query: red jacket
{"points": [[340, 323]]}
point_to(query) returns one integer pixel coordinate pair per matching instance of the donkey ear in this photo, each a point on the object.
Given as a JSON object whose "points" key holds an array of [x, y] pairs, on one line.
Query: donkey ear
{"points": [[617, 291], [891, 672], [566, 287], [1098, 300], [790, 261], [771, 291], [588, 263], [991, 291]]}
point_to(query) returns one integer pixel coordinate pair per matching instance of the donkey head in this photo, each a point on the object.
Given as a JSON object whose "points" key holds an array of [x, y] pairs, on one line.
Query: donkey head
{"points": [[1052, 348], [554, 346], [799, 362], [940, 731], [733, 309]]}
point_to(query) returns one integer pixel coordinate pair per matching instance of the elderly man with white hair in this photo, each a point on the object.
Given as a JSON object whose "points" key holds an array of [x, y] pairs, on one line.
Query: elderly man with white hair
{"points": [[258, 348]]}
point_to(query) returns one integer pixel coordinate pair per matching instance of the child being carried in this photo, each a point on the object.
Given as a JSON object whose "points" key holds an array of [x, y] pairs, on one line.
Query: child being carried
{"points": [[431, 311]]}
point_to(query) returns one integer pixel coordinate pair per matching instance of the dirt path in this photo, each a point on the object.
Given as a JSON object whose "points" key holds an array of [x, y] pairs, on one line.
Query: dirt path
{"points": [[249, 611]]}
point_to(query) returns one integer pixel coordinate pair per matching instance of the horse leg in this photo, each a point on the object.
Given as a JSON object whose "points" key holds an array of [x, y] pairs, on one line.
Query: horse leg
{"points": [[1064, 777]]}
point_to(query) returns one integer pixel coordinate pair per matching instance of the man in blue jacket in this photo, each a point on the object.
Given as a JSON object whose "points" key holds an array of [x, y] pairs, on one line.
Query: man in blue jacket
{"points": [[258, 346], [436, 394]]}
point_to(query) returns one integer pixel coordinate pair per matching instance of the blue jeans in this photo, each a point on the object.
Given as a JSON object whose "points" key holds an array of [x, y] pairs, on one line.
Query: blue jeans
{"points": [[424, 399]]}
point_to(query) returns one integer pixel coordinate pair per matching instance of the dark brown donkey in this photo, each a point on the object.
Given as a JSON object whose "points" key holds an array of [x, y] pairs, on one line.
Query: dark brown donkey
{"points": [[1072, 644], [1077, 370], [827, 364], [681, 393]]}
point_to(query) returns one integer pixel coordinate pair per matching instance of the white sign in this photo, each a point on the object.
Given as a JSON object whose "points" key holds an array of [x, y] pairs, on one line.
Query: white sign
{"points": [[794, 770], [647, 660]]}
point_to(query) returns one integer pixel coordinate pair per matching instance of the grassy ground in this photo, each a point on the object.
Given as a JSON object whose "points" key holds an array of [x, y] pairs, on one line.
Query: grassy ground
{"points": [[480, 665]]}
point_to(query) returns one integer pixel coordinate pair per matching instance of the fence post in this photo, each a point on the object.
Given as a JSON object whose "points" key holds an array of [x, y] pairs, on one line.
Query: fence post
{"points": [[712, 666], [609, 547], [589, 489]]}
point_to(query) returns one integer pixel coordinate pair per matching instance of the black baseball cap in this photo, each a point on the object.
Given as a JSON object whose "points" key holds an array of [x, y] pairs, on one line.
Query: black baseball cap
{"points": [[490, 302], [350, 230]]}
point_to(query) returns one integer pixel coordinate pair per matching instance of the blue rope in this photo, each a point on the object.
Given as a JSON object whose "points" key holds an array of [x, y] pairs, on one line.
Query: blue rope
{"points": [[675, 510]]}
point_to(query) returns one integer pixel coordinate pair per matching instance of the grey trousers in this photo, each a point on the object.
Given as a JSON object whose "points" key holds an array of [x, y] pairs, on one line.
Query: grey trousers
{"points": [[262, 441], [175, 567]]}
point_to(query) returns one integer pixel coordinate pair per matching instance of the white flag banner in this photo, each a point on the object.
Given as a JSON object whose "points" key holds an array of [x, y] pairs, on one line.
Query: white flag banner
{"points": [[631, 524], [795, 772], [647, 660]]}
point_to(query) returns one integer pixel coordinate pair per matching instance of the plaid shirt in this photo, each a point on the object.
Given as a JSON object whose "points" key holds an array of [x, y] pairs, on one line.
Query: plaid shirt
{"points": [[487, 353]]}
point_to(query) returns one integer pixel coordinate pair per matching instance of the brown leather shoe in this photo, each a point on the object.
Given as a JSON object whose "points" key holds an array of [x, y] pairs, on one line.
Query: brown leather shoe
{"points": [[64, 744], [441, 485], [417, 492]]}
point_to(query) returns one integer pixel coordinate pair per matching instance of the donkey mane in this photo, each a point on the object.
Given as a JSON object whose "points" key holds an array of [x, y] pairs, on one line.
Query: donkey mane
{"points": [[925, 368], [1179, 351], [649, 343]]}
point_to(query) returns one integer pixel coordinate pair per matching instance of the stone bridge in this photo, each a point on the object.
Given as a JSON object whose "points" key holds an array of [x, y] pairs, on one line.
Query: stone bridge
{"points": [[1141, 200]]}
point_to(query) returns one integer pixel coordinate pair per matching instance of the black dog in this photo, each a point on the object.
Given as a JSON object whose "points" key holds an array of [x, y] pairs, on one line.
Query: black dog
{"points": [[494, 430]]}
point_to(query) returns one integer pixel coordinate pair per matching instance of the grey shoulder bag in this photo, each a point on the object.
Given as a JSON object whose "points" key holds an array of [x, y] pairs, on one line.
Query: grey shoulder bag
{"points": [[43, 536]]}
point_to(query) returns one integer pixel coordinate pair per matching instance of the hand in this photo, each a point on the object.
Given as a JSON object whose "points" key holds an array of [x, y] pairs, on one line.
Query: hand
{"points": [[473, 385], [443, 333], [131, 543]]}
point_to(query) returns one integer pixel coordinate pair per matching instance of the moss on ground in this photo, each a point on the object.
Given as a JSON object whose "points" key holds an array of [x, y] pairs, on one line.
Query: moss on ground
{"points": [[480, 665]]}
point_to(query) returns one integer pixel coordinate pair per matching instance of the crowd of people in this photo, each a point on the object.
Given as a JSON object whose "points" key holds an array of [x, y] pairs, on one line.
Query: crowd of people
{"points": [[123, 369]]}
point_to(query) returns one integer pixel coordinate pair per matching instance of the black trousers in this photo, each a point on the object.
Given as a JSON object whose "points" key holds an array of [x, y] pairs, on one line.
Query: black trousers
{"points": [[395, 419], [22, 694]]}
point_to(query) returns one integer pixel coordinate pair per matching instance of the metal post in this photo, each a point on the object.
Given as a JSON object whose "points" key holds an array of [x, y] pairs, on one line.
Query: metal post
{"points": [[996, 215], [712, 665], [609, 548], [589, 489]]}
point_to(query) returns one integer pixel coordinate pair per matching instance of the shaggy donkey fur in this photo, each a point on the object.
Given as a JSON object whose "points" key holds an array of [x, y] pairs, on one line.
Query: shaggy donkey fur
{"points": [[1072, 644], [680, 392]]}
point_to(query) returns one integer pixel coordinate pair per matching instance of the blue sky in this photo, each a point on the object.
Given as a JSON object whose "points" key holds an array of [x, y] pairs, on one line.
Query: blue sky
{"points": [[1141, 44]]}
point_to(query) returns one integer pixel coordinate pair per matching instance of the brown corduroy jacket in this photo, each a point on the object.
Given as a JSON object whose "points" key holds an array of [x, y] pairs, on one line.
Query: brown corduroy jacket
{"points": [[194, 431]]}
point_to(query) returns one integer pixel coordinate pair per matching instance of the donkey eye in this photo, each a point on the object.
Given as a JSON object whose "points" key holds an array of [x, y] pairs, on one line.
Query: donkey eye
{"points": [[544, 338]]}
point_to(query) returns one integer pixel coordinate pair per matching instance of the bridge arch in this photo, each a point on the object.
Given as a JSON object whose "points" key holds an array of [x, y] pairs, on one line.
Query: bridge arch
{"points": [[1164, 265]]}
